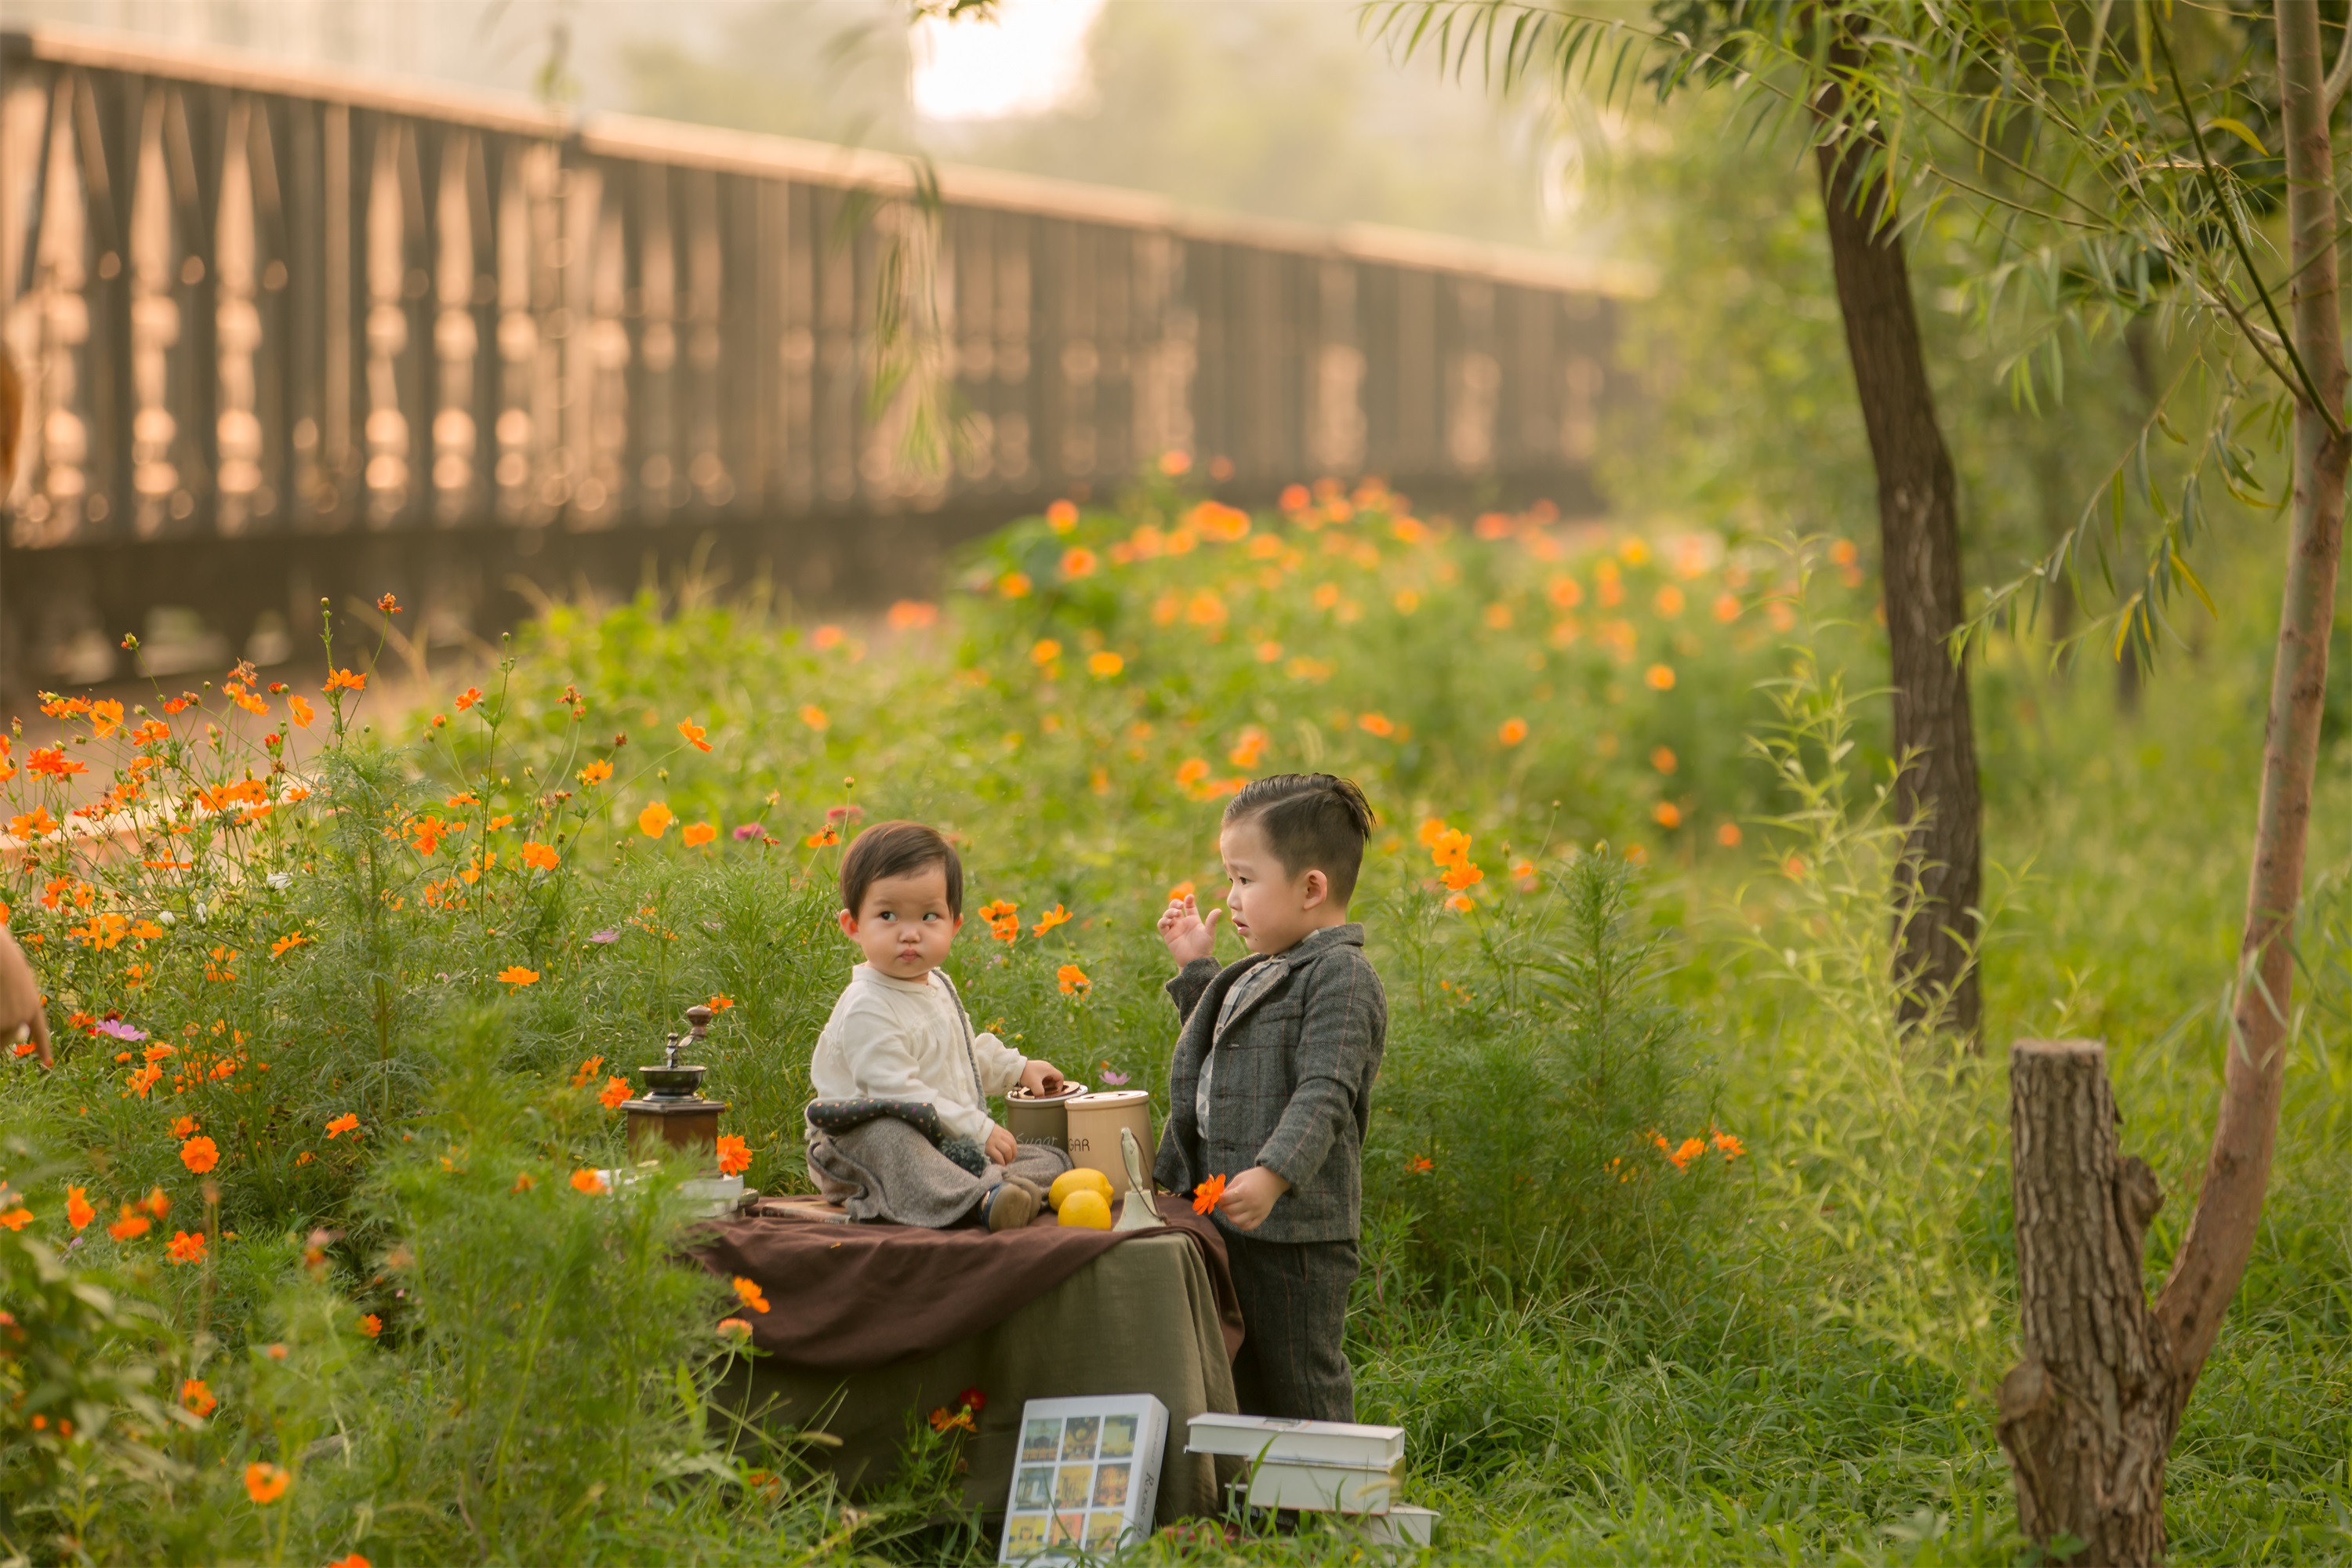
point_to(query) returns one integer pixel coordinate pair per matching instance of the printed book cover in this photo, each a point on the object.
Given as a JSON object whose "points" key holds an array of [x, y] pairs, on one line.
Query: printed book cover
{"points": [[1086, 1477]]}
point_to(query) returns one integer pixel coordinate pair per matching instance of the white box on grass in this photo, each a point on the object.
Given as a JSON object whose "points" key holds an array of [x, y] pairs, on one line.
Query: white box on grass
{"points": [[1296, 1442], [1327, 1489], [1086, 1477]]}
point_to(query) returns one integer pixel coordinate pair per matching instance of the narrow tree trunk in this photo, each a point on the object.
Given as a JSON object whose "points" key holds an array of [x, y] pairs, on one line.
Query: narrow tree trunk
{"points": [[1919, 550], [2220, 1235], [2088, 1417]]}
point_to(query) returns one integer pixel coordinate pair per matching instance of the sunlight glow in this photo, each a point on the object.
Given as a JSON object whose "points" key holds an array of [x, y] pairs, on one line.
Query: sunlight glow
{"points": [[1030, 59]]}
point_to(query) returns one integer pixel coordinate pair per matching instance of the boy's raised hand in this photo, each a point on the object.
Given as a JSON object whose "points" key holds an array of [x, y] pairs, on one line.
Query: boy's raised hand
{"points": [[1040, 1077], [1189, 936]]}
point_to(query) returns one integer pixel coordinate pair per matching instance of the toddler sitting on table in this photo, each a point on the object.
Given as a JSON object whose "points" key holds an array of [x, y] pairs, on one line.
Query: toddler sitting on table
{"points": [[899, 1129]]}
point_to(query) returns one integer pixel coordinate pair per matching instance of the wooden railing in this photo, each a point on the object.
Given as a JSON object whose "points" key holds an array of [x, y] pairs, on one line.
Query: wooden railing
{"points": [[254, 301]]}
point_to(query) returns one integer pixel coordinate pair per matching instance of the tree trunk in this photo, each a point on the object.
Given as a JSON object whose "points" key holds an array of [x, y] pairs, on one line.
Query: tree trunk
{"points": [[2220, 1235], [1919, 549], [2088, 1417]]}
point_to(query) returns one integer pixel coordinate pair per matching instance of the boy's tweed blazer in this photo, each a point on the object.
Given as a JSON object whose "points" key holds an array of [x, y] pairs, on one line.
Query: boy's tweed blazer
{"points": [[1292, 1085]]}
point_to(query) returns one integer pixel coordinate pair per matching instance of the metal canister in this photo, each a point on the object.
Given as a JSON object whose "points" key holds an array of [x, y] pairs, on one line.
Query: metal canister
{"points": [[1093, 1123], [1042, 1118]]}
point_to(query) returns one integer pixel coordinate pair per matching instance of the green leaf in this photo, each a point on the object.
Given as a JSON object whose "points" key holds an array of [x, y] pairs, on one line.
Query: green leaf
{"points": [[2238, 130]]}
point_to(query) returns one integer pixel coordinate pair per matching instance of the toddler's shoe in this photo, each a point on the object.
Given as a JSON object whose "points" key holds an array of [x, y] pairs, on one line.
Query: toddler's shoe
{"points": [[1011, 1205]]}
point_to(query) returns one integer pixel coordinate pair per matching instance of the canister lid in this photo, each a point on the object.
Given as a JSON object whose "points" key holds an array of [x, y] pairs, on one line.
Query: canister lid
{"points": [[1109, 1098], [1071, 1090]]}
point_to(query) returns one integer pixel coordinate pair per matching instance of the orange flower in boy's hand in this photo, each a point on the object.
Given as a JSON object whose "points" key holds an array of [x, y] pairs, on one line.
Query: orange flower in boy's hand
{"points": [[1205, 1196], [734, 1155]]}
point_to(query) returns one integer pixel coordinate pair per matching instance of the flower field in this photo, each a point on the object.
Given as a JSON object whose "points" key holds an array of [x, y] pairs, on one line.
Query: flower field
{"points": [[1677, 1241]]}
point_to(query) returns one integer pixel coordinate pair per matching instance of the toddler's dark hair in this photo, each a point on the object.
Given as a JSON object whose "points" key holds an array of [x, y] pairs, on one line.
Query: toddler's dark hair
{"points": [[893, 849], [1312, 822]]}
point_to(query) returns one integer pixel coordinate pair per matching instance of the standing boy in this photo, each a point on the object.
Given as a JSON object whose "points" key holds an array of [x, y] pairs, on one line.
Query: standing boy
{"points": [[1270, 1084]]}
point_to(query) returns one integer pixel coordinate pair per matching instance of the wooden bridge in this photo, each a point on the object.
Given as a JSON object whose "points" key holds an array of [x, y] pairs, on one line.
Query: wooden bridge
{"points": [[289, 334]]}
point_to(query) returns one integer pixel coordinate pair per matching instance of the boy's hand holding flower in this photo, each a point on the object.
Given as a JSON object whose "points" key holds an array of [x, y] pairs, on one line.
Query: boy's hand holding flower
{"points": [[1249, 1197], [1189, 936]]}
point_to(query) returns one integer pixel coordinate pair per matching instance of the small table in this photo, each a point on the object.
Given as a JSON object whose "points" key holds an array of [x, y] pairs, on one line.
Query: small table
{"points": [[1140, 1319]]}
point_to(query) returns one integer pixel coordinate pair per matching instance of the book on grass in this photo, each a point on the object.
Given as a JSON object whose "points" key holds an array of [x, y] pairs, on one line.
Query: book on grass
{"points": [[1319, 1489], [1296, 1442], [1086, 1479]]}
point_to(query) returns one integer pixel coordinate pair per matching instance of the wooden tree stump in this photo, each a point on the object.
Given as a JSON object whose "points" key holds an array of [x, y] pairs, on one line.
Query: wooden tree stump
{"points": [[2088, 1417]]}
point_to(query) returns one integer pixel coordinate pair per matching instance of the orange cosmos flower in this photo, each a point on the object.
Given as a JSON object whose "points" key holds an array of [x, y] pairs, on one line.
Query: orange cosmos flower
{"points": [[388, 604], [1513, 732], [301, 710], [1670, 601], [344, 680], [17, 1218], [77, 1210], [1044, 651], [615, 1091], [699, 834], [286, 944], [34, 824], [1014, 584], [188, 1249], [541, 856], [350, 1560], [155, 1203], [468, 698], [516, 975], [907, 614], [655, 820], [1004, 919], [1074, 981], [1659, 677], [105, 718], [266, 1483], [825, 638], [719, 1003], [131, 1225], [1175, 463], [694, 733], [1726, 608], [1205, 1196], [1668, 814], [1732, 1147], [735, 1329], [349, 1121], [585, 1181], [1056, 915], [199, 1154], [1376, 724], [1080, 561], [734, 1155], [372, 1326], [587, 1070], [1061, 516], [1664, 759], [1295, 497], [197, 1398], [595, 772], [1465, 875], [187, 1127], [1727, 836], [749, 1293], [523, 1182], [1462, 903], [1421, 1164], [1105, 664]]}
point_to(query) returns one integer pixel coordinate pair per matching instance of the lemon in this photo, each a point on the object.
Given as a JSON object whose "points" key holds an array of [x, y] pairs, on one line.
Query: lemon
{"points": [[1081, 1179], [1088, 1207]]}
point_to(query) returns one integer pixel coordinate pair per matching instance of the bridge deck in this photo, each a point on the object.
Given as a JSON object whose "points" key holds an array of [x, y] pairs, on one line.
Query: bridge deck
{"points": [[286, 329]]}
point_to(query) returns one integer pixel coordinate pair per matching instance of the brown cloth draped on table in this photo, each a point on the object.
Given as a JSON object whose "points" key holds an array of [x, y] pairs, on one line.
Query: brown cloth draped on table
{"points": [[871, 1326], [847, 1297]]}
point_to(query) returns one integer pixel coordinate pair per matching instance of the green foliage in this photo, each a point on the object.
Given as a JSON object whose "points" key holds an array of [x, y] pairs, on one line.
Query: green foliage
{"points": [[1521, 1141]]}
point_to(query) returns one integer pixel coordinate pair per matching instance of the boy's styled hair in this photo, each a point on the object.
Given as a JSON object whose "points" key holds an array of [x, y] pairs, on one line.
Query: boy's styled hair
{"points": [[893, 849], [1312, 822]]}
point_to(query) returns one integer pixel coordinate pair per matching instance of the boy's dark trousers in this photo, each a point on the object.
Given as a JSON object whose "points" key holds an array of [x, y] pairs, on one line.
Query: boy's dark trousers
{"points": [[1294, 1299]]}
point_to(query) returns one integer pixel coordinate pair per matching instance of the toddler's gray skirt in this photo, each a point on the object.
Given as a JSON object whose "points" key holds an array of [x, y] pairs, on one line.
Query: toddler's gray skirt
{"points": [[885, 1170]]}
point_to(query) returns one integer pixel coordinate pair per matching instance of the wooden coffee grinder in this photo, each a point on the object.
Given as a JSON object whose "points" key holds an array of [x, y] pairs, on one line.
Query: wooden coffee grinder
{"points": [[672, 1110]]}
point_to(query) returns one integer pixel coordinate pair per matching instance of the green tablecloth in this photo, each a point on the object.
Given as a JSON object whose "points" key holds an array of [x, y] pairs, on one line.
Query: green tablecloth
{"points": [[1140, 1319]]}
